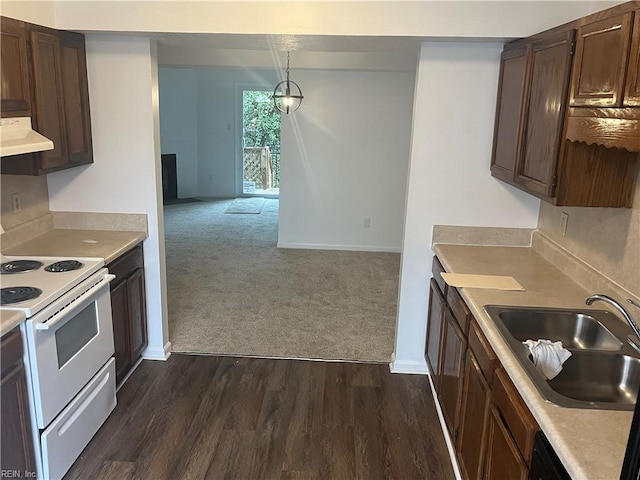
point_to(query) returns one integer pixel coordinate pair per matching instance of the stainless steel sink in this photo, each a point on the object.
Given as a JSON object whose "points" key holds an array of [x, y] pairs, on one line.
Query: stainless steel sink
{"points": [[603, 371], [575, 330], [594, 377]]}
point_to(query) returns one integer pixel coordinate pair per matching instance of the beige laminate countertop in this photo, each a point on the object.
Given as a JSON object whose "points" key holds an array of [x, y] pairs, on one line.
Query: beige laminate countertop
{"points": [[590, 443], [9, 320], [105, 244]]}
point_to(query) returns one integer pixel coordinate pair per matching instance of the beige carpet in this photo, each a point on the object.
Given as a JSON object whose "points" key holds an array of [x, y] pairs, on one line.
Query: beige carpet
{"points": [[231, 291]]}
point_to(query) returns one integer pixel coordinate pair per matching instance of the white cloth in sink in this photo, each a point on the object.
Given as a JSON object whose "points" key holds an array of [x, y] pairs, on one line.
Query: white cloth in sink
{"points": [[548, 356]]}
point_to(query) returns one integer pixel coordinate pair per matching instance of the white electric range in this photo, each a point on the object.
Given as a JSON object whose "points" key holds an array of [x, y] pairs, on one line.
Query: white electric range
{"points": [[68, 351]]}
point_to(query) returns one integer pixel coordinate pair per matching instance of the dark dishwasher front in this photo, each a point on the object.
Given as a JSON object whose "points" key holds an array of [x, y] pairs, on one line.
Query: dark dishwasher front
{"points": [[545, 464]]}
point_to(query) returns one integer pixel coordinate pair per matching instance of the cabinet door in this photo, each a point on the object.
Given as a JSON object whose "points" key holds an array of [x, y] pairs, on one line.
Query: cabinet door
{"points": [[76, 98], [49, 102], [550, 66], [632, 91], [474, 409], [16, 442], [454, 346], [121, 335], [15, 99], [434, 331], [137, 314], [509, 113], [503, 459], [599, 67]]}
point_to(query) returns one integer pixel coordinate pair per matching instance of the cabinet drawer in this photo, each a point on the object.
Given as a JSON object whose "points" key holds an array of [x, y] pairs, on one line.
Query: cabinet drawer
{"points": [[127, 263], [436, 270], [485, 356], [10, 350], [459, 308], [515, 414]]}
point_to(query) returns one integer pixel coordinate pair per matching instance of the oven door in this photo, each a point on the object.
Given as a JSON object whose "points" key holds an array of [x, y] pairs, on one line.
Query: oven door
{"points": [[68, 343]]}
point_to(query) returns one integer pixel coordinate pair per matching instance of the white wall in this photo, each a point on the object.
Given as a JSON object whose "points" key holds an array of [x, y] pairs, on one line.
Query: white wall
{"points": [[344, 158], [39, 12], [426, 18], [124, 177], [449, 180], [220, 126], [179, 124]]}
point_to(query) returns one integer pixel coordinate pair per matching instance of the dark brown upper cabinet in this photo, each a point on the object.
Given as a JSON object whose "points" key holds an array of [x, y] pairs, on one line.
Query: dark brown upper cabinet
{"points": [[568, 124], [548, 83], [59, 101], [76, 98], [605, 89], [534, 79], [602, 50], [15, 100], [509, 112], [49, 117]]}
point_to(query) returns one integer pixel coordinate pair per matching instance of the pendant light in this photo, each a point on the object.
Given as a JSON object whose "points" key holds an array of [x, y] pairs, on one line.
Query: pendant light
{"points": [[287, 96]]}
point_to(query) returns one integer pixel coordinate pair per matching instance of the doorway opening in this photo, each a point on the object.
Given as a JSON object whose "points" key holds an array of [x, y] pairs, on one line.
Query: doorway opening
{"points": [[260, 144]]}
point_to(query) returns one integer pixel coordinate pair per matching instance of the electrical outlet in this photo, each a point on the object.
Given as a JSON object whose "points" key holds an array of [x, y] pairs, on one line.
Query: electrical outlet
{"points": [[564, 219], [16, 203], [367, 223]]}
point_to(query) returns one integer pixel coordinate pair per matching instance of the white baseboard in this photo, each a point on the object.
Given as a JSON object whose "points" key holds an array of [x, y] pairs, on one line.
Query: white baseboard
{"points": [[331, 246], [414, 367], [155, 353], [445, 432]]}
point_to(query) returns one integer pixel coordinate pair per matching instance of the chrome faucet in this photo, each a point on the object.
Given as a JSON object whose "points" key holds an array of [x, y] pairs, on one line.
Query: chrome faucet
{"points": [[615, 304]]}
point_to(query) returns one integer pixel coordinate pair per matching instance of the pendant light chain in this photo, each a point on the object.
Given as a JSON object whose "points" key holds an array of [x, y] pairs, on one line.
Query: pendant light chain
{"points": [[288, 53]]}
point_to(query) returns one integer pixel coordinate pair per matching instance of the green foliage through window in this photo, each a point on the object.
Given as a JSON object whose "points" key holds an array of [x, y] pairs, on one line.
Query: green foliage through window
{"points": [[261, 126], [261, 121]]}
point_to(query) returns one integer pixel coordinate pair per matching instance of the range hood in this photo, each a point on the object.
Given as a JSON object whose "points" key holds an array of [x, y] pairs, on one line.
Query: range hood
{"points": [[17, 137]]}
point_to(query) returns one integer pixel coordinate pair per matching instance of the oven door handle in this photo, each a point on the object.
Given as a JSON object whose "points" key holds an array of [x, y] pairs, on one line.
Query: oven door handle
{"points": [[76, 303]]}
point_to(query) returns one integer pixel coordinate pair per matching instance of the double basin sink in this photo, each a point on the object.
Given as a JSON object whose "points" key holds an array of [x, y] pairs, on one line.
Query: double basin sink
{"points": [[603, 371]]}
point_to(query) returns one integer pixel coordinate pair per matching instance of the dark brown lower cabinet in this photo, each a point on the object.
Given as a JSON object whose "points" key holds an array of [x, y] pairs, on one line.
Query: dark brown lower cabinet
{"points": [[472, 438], [454, 346], [434, 330], [16, 444], [137, 313], [503, 458], [128, 309], [120, 315], [486, 418]]}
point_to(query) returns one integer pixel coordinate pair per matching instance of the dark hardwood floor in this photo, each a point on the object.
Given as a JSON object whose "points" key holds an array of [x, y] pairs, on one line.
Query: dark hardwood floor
{"points": [[199, 417]]}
